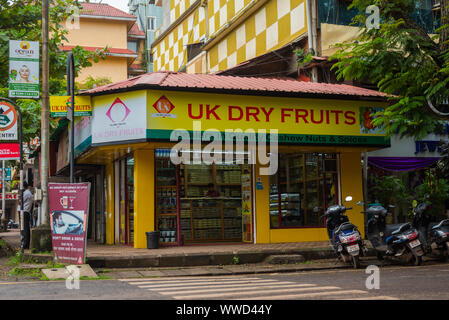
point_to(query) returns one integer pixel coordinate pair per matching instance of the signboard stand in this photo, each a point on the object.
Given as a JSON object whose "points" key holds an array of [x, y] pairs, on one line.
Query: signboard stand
{"points": [[71, 110]]}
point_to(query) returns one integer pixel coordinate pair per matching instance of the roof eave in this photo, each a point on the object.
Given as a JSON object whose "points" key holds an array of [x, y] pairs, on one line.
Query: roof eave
{"points": [[244, 92]]}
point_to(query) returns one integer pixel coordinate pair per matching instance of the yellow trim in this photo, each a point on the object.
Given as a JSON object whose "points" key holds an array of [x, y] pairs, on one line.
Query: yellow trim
{"points": [[110, 203], [143, 196]]}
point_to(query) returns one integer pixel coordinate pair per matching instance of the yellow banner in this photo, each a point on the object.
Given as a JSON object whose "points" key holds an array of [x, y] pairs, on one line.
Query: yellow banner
{"points": [[298, 120], [59, 104]]}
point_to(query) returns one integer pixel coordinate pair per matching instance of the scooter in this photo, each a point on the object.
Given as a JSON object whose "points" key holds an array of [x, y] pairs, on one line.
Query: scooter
{"points": [[12, 224], [439, 239], [438, 234], [399, 241], [344, 237]]}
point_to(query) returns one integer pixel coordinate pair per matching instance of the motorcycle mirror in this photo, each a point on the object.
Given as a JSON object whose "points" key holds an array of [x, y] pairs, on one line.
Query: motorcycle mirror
{"points": [[348, 199]]}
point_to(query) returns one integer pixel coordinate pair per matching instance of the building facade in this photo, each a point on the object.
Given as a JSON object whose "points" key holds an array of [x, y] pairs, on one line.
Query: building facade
{"points": [[212, 36], [100, 26], [149, 19], [224, 195]]}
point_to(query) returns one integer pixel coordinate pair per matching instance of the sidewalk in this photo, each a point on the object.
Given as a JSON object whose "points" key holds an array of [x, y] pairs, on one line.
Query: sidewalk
{"points": [[211, 259]]}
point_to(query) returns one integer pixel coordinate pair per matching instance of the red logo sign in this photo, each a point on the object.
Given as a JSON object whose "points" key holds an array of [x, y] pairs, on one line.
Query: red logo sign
{"points": [[118, 112], [163, 106]]}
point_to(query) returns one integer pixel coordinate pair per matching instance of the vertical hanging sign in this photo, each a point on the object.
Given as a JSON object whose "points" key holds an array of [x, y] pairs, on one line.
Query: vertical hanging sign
{"points": [[69, 207], [23, 69]]}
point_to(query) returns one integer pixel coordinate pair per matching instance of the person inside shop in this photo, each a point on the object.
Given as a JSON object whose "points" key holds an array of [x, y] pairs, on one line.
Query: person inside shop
{"points": [[212, 192], [27, 210]]}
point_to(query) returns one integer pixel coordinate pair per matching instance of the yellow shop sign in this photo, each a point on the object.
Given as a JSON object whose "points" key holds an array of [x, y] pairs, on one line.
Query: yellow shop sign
{"points": [[59, 104], [297, 120]]}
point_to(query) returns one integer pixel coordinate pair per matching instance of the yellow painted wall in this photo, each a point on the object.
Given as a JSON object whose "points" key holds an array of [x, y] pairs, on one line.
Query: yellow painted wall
{"points": [[144, 196], [99, 33], [110, 203], [274, 25], [114, 68], [352, 185]]}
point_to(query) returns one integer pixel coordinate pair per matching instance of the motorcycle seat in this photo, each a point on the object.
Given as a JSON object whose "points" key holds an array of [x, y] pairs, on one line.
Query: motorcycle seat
{"points": [[441, 224], [345, 226], [394, 229]]}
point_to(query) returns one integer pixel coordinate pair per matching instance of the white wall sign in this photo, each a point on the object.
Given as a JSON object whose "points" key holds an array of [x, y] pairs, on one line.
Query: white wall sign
{"points": [[23, 69], [120, 117]]}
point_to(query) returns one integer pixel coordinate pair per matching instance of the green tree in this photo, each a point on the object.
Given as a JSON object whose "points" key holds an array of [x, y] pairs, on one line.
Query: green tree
{"points": [[21, 19], [403, 60]]}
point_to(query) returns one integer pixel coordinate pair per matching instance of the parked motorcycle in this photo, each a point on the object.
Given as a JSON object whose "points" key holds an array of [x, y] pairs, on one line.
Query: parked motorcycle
{"points": [[435, 238], [439, 239], [344, 237], [396, 240], [12, 224]]}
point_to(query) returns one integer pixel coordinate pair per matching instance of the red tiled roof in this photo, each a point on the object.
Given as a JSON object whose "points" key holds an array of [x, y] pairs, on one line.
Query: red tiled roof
{"points": [[135, 31], [199, 82], [103, 10], [92, 49]]}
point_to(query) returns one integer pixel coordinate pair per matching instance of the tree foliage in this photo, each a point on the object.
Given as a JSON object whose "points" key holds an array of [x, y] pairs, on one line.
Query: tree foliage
{"points": [[22, 20], [403, 61]]}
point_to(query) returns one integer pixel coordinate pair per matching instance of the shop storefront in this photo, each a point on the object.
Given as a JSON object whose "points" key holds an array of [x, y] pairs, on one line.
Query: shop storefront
{"points": [[208, 165]]}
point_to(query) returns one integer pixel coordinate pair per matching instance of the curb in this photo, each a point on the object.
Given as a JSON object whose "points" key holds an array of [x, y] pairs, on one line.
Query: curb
{"points": [[205, 259]]}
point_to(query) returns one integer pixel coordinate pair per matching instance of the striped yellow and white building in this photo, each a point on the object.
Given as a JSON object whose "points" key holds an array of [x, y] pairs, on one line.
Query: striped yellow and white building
{"points": [[230, 32]]}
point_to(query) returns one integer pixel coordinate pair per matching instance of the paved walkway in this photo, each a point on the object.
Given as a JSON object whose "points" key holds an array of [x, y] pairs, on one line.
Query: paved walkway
{"points": [[121, 256], [100, 250]]}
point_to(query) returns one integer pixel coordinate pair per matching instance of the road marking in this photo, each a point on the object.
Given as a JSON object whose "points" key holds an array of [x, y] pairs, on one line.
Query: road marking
{"points": [[306, 295], [249, 292], [255, 286], [189, 278], [374, 298], [171, 284], [205, 286]]}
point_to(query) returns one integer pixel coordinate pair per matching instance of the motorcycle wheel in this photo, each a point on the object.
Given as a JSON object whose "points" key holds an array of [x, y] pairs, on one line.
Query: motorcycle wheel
{"points": [[356, 262], [379, 255], [444, 255]]}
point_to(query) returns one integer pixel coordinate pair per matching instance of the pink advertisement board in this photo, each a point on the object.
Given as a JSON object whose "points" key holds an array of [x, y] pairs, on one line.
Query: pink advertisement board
{"points": [[69, 207]]}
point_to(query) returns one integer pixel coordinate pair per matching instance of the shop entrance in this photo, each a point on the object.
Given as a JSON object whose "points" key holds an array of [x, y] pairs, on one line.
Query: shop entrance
{"points": [[200, 203], [124, 194]]}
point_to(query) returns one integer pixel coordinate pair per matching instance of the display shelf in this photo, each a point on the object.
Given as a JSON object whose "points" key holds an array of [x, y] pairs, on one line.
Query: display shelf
{"points": [[208, 214]]}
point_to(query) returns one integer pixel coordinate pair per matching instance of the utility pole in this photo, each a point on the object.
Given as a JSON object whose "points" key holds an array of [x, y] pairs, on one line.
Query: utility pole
{"points": [[45, 116]]}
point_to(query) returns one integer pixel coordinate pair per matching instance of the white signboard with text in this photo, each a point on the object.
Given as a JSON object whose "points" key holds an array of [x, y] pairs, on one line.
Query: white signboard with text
{"points": [[120, 117], [23, 69]]}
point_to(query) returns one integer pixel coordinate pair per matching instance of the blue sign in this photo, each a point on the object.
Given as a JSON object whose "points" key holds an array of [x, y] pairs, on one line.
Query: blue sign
{"points": [[428, 145]]}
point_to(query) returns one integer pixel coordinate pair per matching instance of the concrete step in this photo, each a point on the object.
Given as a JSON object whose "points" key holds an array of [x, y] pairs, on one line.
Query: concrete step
{"points": [[285, 259]]}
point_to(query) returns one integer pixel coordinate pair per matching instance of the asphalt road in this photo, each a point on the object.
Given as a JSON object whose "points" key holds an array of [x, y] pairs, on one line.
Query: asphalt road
{"points": [[395, 282]]}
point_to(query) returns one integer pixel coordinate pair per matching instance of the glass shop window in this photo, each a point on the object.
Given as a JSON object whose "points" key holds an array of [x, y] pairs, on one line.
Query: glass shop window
{"points": [[303, 181]]}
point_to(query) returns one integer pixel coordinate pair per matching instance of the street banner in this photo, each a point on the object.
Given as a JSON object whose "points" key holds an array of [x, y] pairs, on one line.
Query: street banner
{"points": [[69, 208], [10, 196], [9, 151], [60, 104], [8, 122], [7, 174], [23, 69]]}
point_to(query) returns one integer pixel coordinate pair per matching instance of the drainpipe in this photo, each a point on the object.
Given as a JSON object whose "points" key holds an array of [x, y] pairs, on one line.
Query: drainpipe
{"points": [[312, 32]]}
